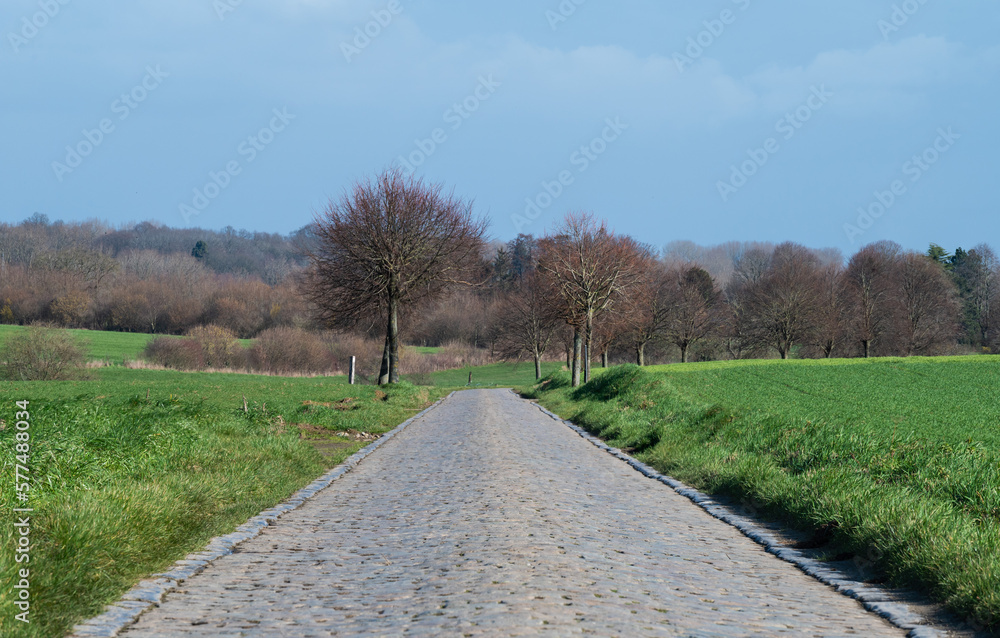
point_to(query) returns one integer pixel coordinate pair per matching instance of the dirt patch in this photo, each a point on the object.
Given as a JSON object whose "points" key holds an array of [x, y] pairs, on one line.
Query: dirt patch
{"points": [[332, 443]]}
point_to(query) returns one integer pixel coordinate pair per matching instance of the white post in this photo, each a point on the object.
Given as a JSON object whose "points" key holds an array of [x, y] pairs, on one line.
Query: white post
{"points": [[350, 373]]}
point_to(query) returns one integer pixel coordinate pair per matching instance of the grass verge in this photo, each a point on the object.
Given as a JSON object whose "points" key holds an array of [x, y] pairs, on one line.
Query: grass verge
{"points": [[135, 469], [893, 460]]}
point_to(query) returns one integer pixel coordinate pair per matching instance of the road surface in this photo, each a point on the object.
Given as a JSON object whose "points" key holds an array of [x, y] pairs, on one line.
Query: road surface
{"points": [[488, 518]]}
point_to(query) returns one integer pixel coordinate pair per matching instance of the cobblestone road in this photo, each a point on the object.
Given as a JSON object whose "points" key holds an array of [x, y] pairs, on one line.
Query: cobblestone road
{"points": [[486, 517]]}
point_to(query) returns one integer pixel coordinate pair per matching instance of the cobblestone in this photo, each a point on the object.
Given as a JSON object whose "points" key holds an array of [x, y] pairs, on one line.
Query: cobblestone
{"points": [[486, 517]]}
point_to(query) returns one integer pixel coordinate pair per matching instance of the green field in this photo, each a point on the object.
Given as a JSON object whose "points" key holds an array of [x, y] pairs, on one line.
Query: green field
{"points": [[135, 469], [113, 347], [100, 346], [425, 349], [896, 460], [497, 375]]}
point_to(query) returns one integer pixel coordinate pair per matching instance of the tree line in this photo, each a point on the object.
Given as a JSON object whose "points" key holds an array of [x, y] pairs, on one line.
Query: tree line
{"points": [[394, 249], [619, 297], [402, 261], [149, 278]]}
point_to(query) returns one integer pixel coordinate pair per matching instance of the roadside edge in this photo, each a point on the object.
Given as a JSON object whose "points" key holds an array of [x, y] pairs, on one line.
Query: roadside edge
{"points": [[149, 593], [874, 598]]}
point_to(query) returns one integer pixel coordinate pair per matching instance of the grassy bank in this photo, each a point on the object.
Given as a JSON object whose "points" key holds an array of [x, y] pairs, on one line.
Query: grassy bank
{"points": [[135, 469], [896, 460]]}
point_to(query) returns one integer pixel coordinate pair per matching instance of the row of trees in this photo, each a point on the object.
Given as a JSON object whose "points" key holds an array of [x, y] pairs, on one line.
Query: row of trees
{"points": [[779, 301], [143, 292], [239, 253], [393, 246], [396, 258], [148, 278]]}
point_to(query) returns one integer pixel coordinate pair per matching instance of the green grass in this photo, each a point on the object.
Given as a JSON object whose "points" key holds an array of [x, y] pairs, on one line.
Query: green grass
{"points": [[135, 469], [425, 349], [502, 375], [898, 457], [107, 346]]}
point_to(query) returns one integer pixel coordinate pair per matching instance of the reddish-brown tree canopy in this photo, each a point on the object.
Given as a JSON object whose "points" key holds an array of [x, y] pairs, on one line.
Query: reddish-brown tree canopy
{"points": [[391, 241], [591, 268]]}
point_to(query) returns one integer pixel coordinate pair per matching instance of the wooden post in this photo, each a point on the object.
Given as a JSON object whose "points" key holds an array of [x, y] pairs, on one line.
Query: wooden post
{"points": [[350, 372]]}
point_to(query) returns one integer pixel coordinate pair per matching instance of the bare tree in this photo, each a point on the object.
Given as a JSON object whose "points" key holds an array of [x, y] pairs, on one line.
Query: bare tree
{"points": [[648, 308], [528, 321], [392, 241], [831, 317], [929, 306], [783, 303], [979, 274], [611, 330], [693, 308], [592, 269], [870, 288], [749, 265]]}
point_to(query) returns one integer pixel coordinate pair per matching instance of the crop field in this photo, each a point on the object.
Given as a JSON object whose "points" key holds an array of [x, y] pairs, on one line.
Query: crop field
{"points": [[134, 469], [948, 399], [894, 460]]}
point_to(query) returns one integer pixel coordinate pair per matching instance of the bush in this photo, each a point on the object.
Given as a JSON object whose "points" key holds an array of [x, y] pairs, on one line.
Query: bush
{"points": [[291, 350], [176, 353], [219, 347], [367, 351], [41, 354]]}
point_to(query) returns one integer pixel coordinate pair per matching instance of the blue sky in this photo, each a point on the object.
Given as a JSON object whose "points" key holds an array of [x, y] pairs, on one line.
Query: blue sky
{"points": [[830, 124]]}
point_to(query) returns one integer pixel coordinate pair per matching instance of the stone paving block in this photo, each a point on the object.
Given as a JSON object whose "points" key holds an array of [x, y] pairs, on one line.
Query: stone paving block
{"points": [[488, 517]]}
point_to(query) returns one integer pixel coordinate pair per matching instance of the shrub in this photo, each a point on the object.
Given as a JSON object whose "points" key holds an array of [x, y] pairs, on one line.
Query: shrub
{"points": [[176, 353], [291, 350], [367, 351], [219, 347], [41, 354], [71, 308]]}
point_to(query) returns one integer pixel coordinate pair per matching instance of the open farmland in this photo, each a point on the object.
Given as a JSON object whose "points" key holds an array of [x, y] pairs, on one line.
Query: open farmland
{"points": [[896, 460]]}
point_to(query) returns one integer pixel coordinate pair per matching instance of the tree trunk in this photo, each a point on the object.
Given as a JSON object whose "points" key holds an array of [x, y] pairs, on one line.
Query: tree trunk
{"points": [[577, 347], [393, 340], [864, 348], [383, 373], [538, 367], [640, 354], [604, 358], [589, 337], [684, 352]]}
